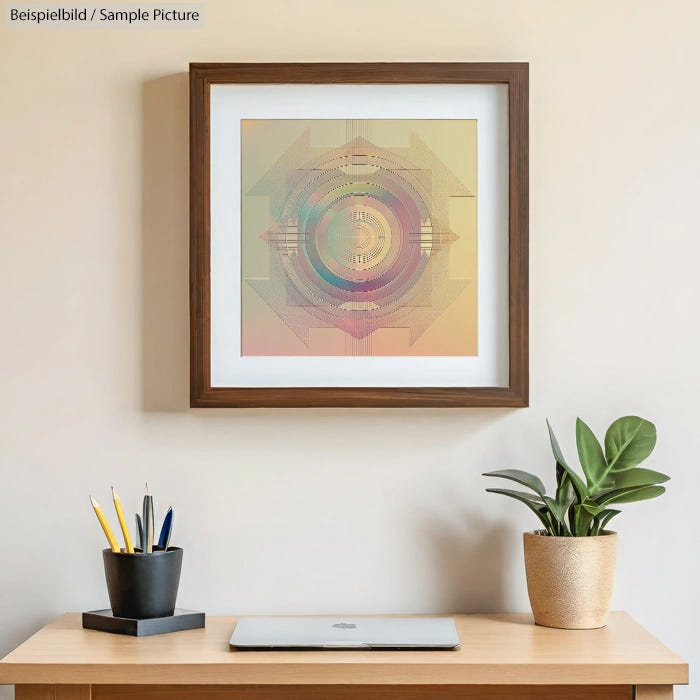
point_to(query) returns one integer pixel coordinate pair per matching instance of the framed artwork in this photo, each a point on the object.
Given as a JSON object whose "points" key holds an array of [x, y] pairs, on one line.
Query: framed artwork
{"points": [[359, 234]]}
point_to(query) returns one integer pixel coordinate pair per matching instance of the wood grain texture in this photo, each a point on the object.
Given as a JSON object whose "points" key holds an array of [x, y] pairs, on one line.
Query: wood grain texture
{"points": [[202, 76], [358, 73], [373, 692], [654, 692], [199, 234], [53, 692], [34, 692], [496, 650]]}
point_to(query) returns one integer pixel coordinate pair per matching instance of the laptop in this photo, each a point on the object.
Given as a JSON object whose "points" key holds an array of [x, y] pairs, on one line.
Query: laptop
{"points": [[261, 633]]}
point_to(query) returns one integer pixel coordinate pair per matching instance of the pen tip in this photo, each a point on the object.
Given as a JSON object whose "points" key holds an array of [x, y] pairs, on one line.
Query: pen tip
{"points": [[147, 488], [93, 501]]}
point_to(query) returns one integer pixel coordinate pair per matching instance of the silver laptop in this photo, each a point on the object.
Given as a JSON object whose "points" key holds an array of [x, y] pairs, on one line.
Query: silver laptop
{"points": [[345, 633]]}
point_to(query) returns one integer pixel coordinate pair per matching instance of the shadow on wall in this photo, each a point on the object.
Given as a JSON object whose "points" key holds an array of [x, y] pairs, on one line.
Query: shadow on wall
{"points": [[469, 563], [165, 221]]}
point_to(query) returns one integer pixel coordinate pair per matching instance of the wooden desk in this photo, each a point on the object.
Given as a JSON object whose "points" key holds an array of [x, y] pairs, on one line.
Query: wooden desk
{"points": [[502, 656]]}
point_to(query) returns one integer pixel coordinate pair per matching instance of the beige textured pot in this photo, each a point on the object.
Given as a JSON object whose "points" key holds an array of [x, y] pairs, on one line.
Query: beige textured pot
{"points": [[570, 579]]}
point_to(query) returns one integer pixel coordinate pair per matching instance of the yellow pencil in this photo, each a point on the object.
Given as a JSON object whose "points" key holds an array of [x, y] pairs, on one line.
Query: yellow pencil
{"points": [[105, 525], [122, 523]]}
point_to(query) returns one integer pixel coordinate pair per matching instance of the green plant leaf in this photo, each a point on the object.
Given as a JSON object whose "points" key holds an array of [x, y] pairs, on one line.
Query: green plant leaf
{"points": [[576, 481], [558, 455], [560, 472], [551, 526], [628, 442], [606, 516], [608, 487], [591, 455], [520, 495], [637, 477], [593, 508], [524, 478], [555, 509], [532, 502], [571, 519], [565, 491], [632, 495], [565, 497], [558, 510], [582, 520]]}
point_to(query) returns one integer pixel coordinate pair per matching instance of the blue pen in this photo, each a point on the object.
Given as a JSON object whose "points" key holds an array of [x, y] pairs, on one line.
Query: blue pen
{"points": [[166, 530], [139, 529]]}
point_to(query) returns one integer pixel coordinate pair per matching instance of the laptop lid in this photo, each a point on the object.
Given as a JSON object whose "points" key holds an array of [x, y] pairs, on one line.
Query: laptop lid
{"points": [[345, 633]]}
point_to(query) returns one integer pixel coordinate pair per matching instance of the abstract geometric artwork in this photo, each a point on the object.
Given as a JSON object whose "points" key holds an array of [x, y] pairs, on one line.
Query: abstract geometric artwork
{"points": [[358, 237], [335, 258]]}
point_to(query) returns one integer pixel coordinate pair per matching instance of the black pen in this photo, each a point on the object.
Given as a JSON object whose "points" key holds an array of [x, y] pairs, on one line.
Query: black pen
{"points": [[148, 521]]}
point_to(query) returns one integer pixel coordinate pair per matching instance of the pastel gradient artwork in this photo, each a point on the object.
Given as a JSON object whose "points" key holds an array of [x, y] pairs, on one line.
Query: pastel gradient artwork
{"points": [[359, 237]]}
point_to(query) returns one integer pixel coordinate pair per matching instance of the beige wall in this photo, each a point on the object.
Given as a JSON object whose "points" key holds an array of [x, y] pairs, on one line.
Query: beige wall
{"points": [[274, 515]]}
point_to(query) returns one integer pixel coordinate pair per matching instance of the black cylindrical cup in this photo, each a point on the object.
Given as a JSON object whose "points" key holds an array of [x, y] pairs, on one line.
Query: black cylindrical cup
{"points": [[143, 585]]}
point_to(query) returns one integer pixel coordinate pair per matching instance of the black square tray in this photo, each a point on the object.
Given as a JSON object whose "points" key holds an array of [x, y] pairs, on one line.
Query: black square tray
{"points": [[105, 621]]}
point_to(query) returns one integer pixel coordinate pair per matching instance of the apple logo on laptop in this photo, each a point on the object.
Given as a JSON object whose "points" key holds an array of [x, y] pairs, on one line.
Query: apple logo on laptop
{"points": [[345, 625]]}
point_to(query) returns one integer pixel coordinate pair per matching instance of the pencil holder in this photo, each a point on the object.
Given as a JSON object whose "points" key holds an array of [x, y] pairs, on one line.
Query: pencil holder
{"points": [[140, 585]]}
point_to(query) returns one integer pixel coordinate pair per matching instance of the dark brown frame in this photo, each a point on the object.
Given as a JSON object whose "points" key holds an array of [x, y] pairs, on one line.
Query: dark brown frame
{"points": [[202, 75]]}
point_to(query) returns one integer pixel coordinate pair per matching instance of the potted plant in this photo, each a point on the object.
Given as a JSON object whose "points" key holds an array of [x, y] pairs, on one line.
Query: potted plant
{"points": [[570, 562]]}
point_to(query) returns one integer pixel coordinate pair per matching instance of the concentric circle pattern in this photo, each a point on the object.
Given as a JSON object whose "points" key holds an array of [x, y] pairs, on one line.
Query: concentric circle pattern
{"points": [[359, 238]]}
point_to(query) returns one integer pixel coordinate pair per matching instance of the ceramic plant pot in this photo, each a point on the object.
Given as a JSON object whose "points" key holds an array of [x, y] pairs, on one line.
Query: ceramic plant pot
{"points": [[570, 579]]}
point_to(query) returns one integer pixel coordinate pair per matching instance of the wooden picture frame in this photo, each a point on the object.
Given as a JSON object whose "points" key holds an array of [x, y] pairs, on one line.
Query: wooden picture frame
{"points": [[511, 393]]}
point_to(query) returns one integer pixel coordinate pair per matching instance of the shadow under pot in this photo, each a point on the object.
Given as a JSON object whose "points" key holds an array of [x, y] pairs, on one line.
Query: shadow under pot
{"points": [[142, 586]]}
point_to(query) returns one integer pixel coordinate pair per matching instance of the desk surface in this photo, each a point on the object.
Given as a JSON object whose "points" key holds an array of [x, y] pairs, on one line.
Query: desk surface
{"points": [[501, 649]]}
